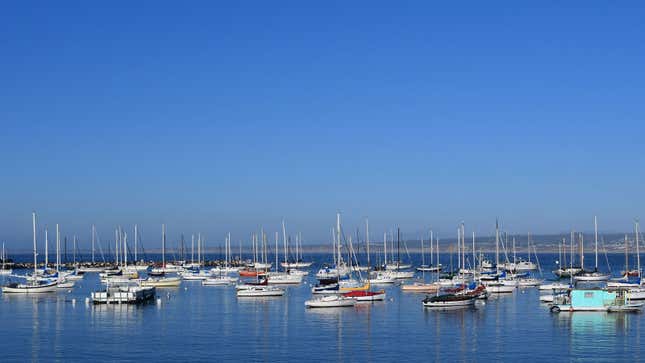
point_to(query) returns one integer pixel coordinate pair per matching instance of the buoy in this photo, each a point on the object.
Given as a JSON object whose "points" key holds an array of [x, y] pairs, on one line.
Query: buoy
{"points": [[87, 300], [158, 301], [73, 301]]}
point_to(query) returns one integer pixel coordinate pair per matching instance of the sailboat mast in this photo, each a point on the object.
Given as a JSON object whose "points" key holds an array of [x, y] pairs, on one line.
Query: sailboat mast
{"points": [[46, 248], [497, 245], [431, 238], [125, 249], [57, 248], [595, 231], [284, 240], [367, 241], [474, 264], [33, 220], [528, 245], [626, 257], [135, 243], [638, 253], [93, 236], [192, 248], [385, 248], [398, 247], [163, 246], [338, 237], [582, 250], [463, 245]]}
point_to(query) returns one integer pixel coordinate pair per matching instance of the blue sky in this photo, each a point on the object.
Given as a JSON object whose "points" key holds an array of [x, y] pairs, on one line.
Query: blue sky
{"points": [[219, 117]]}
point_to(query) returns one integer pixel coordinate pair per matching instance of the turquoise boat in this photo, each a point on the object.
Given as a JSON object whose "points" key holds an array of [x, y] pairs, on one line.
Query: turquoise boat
{"points": [[594, 300]]}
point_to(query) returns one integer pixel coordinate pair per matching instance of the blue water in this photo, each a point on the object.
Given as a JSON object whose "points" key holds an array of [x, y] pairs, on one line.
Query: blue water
{"points": [[195, 323]]}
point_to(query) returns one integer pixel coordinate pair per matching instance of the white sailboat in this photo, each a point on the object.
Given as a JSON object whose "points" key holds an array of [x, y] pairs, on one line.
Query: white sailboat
{"points": [[33, 286], [331, 301], [162, 281], [222, 279], [497, 286], [4, 270], [284, 278], [595, 275]]}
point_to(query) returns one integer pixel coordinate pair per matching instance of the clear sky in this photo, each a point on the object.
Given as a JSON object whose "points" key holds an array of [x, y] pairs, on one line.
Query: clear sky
{"points": [[223, 116]]}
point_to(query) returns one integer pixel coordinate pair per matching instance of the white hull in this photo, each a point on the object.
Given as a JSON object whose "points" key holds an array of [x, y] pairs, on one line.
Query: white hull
{"points": [[395, 267], [284, 279], [528, 282], [296, 264], [499, 288], [5, 272], [554, 286], [219, 281], [592, 277], [330, 302], [260, 292], [162, 282], [402, 274], [449, 304], [29, 289], [636, 294]]}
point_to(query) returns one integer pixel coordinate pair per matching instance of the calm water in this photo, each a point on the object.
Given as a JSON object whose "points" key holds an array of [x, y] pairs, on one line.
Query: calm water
{"points": [[195, 323]]}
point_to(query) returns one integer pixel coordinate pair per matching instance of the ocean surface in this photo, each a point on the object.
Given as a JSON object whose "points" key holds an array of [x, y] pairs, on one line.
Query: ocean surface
{"points": [[196, 323]]}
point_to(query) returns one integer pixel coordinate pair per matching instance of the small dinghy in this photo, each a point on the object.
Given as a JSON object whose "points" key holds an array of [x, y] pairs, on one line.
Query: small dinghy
{"points": [[330, 302], [448, 300]]}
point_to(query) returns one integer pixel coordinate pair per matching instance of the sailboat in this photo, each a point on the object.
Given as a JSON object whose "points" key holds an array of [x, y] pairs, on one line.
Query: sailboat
{"points": [[162, 281], [422, 286], [35, 285], [398, 270], [285, 277], [594, 275], [223, 278], [298, 263], [494, 285], [4, 271], [327, 274], [332, 301], [368, 294]]}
